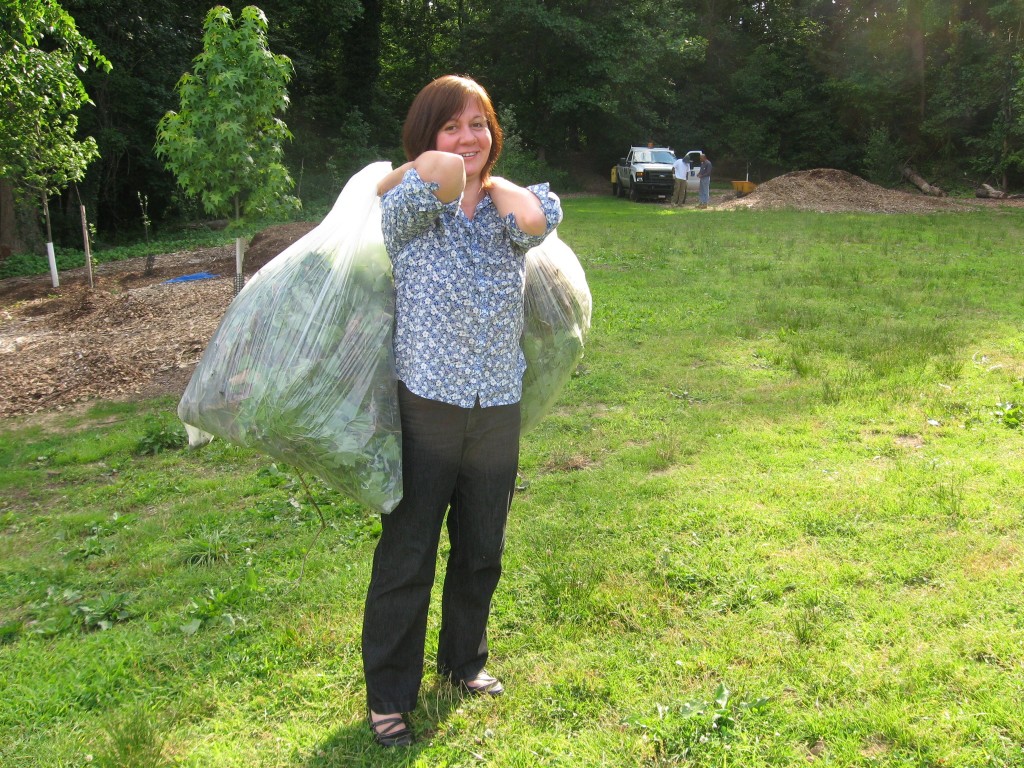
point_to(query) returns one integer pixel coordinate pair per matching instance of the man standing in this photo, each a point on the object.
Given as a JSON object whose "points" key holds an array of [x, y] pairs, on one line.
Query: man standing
{"points": [[680, 169], [704, 174]]}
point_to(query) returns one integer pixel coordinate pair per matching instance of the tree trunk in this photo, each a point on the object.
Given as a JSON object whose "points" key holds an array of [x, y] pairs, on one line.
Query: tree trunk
{"points": [[915, 178], [915, 42], [990, 192], [9, 240], [19, 224], [360, 54]]}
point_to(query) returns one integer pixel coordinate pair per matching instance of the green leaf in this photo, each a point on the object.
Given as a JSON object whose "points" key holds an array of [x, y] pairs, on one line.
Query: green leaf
{"points": [[191, 627], [722, 696]]}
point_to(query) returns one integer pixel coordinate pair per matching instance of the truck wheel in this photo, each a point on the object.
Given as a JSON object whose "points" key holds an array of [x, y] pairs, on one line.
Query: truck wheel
{"points": [[633, 196], [615, 189], [622, 192]]}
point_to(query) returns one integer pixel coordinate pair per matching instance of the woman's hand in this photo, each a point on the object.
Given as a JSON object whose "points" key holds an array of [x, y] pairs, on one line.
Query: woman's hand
{"points": [[445, 169], [522, 203]]}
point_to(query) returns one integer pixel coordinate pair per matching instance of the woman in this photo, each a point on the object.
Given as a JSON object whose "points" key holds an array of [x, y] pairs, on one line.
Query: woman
{"points": [[457, 238]]}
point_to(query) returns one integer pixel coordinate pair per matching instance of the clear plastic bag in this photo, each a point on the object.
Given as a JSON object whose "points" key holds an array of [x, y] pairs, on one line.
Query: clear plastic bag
{"points": [[557, 309], [302, 368]]}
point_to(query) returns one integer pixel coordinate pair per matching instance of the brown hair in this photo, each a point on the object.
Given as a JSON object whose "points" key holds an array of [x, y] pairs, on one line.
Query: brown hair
{"points": [[440, 101]]}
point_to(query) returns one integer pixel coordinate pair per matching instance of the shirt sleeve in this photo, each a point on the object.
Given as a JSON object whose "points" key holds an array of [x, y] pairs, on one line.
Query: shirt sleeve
{"points": [[552, 208], [409, 209]]}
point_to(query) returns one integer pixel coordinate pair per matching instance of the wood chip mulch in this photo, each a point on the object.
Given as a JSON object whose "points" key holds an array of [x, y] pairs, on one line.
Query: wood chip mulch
{"points": [[828, 190], [132, 335]]}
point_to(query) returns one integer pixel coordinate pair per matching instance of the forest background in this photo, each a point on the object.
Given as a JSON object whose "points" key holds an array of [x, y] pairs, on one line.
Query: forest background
{"points": [[764, 87]]}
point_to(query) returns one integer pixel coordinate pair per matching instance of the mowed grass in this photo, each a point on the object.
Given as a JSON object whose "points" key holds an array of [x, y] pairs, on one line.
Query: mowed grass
{"points": [[775, 520]]}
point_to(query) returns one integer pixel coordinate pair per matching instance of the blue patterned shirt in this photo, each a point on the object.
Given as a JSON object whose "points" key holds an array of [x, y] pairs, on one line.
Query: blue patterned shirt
{"points": [[459, 285]]}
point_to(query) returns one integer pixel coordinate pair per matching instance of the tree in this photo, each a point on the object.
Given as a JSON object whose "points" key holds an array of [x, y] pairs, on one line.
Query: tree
{"points": [[41, 53], [225, 144], [575, 75], [149, 44]]}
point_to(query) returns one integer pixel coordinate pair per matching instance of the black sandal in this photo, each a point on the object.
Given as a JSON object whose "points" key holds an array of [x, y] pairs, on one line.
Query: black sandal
{"points": [[390, 731], [483, 684]]}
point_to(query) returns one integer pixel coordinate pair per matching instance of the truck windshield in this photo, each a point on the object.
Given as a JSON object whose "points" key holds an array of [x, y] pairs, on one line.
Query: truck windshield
{"points": [[654, 156]]}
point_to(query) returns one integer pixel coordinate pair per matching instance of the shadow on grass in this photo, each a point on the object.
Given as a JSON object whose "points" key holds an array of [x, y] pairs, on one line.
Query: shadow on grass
{"points": [[352, 746]]}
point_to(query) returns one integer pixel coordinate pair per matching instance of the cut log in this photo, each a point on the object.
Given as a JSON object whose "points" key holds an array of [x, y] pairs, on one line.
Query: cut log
{"points": [[915, 178], [990, 192]]}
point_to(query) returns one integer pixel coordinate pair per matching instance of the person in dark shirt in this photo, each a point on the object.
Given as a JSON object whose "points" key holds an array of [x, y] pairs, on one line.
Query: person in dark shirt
{"points": [[704, 174]]}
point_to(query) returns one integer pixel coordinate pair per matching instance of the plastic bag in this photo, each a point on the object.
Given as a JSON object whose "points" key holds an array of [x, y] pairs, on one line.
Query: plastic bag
{"points": [[557, 309], [302, 368]]}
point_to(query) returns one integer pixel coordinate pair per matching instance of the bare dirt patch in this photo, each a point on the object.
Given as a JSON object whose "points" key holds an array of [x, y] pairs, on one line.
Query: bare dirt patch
{"points": [[133, 335]]}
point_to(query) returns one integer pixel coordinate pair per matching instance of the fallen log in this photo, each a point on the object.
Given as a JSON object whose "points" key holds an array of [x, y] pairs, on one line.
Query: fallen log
{"points": [[989, 192], [915, 178]]}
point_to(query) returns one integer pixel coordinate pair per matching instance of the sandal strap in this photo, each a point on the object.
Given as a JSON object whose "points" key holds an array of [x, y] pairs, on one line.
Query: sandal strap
{"points": [[390, 731], [386, 726], [484, 683]]}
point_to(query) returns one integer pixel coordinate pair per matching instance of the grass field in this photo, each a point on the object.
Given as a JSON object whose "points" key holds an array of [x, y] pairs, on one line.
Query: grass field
{"points": [[777, 519]]}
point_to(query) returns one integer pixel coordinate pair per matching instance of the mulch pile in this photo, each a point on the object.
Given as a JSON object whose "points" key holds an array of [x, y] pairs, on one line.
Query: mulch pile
{"points": [[133, 335], [830, 191]]}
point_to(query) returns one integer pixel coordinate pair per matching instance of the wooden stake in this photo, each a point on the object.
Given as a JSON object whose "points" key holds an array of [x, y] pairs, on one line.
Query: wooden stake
{"points": [[88, 250]]}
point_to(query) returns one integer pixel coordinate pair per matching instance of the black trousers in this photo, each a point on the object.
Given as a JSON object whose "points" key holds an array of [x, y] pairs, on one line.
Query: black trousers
{"points": [[459, 461]]}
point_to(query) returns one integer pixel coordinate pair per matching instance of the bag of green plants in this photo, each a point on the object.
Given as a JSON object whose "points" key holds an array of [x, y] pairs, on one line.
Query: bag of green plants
{"points": [[302, 366], [557, 319]]}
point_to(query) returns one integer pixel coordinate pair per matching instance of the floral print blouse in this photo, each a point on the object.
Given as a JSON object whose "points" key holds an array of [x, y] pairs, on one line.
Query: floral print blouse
{"points": [[459, 285]]}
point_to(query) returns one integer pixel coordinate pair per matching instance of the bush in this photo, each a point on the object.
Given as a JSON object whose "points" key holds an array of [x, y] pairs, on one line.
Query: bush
{"points": [[161, 435], [520, 165], [883, 158]]}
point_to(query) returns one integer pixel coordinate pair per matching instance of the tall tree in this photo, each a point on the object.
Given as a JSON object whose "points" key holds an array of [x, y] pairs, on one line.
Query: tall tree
{"points": [[150, 44], [225, 144], [41, 53], [782, 107], [581, 75]]}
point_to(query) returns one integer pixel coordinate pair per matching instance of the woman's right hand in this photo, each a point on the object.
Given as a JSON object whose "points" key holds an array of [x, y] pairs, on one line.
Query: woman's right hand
{"points": [[445, 169]]}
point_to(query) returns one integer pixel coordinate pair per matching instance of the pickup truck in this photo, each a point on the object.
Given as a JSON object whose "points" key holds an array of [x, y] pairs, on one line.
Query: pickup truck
{"points": [[647, 172]]}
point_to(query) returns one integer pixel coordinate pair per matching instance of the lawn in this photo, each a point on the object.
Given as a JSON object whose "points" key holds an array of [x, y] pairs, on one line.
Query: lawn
{"points": [[776, 519]]}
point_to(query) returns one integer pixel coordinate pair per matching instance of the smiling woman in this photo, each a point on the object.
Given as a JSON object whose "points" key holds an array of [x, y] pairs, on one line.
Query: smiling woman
{"points": [[457, 238]]}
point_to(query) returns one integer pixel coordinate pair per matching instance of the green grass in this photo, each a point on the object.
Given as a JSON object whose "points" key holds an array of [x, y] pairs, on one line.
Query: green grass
{"points": [[775, 520]]}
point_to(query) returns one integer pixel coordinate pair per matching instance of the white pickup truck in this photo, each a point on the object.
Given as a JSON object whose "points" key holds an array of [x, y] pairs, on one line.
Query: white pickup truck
{"points": [[647, 172]]}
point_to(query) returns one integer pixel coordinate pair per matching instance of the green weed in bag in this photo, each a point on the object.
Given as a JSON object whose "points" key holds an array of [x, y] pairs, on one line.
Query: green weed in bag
{"points": [[301, 367]]}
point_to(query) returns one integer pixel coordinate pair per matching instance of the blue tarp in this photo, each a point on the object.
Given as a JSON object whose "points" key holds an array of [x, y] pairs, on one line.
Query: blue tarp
{"points": [[196, 276]]}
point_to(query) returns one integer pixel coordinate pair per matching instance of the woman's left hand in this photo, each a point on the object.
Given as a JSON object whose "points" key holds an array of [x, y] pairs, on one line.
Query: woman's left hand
{"points": [[520, 202]]}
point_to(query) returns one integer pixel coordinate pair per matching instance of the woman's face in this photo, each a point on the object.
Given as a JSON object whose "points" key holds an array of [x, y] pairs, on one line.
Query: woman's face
{"points": [[467, 135]]}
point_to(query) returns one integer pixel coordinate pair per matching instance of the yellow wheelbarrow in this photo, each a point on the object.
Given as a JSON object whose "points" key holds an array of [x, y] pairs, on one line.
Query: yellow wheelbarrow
{"points": [[743, 187]]}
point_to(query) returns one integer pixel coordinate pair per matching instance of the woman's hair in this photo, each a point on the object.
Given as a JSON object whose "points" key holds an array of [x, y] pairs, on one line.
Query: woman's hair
{"points": [[439, 102]]}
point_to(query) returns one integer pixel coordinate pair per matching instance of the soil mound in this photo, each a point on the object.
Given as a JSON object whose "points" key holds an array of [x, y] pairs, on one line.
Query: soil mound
{"points": [[829, 190], [270, 242]]}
